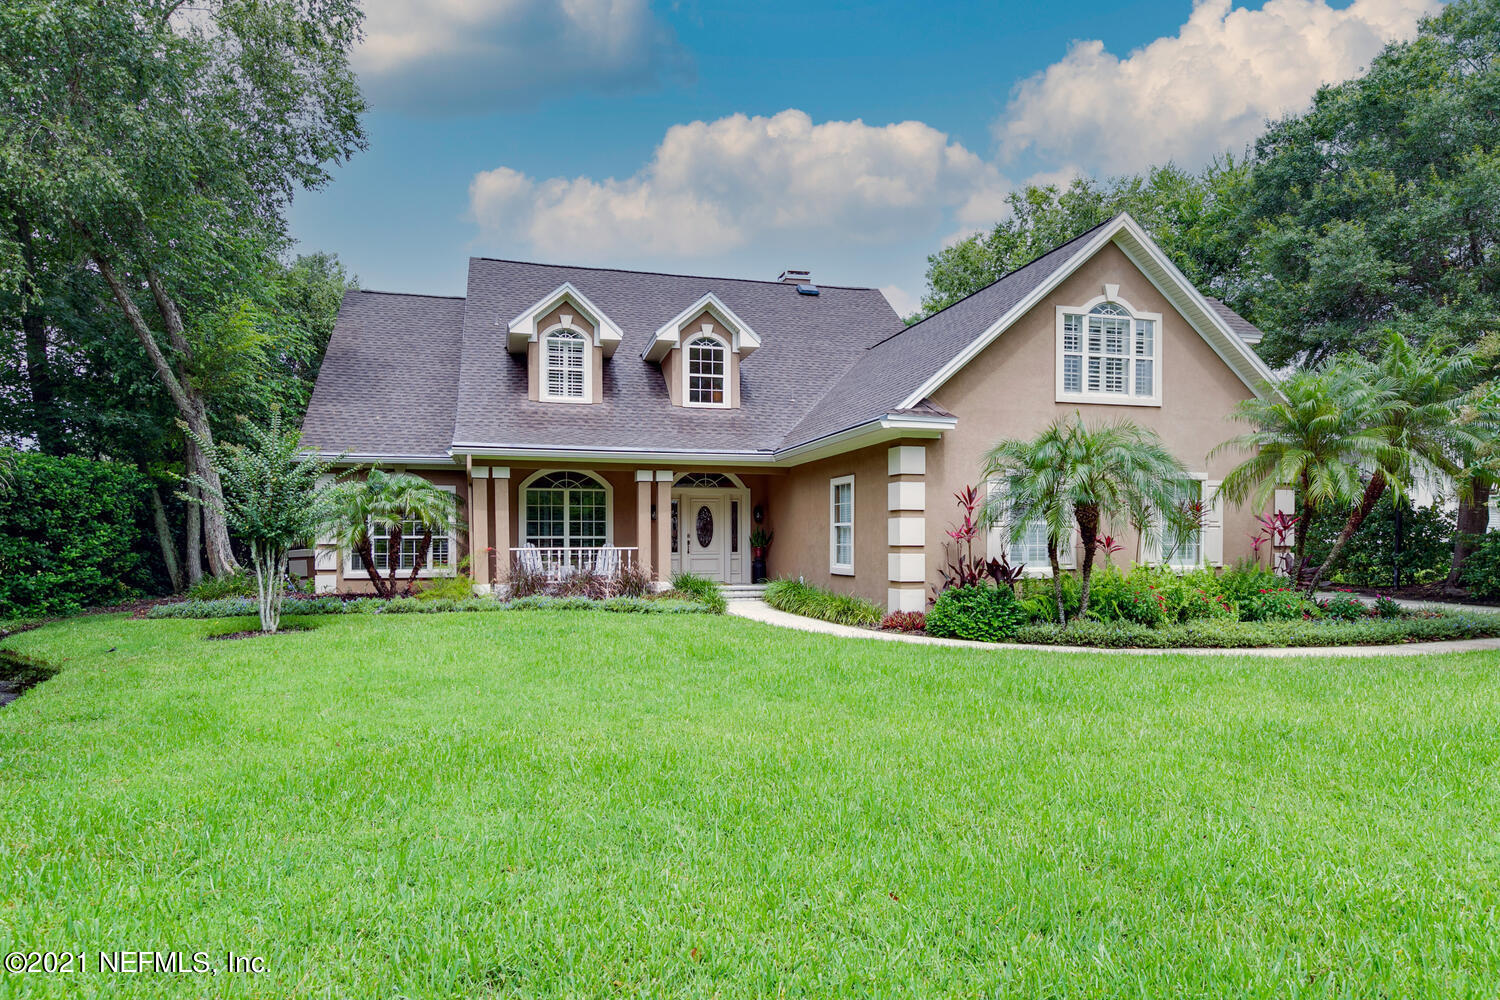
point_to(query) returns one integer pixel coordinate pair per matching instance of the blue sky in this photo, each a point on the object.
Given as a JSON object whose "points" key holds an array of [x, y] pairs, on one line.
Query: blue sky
{"points": [[743, 138]]}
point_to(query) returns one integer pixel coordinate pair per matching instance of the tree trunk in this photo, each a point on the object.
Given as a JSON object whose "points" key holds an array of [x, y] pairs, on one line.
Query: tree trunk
{"points": [[192, 534], [1473, 521], [420, 560], [165, 540], [270, 587], [39, 379], [1373, 493], [188, 401], [1057, 590], [366, 551], [393, 553], [1087, 516], [1299, 534]]}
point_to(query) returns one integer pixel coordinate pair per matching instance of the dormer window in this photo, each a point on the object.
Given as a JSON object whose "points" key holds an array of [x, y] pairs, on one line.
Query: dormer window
{"points": [[700, 351], [1108, 352], [707, 371], [564, 363]]}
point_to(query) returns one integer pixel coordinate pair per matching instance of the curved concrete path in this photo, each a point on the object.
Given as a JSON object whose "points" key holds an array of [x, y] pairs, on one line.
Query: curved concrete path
{"points": [[760, 611]]}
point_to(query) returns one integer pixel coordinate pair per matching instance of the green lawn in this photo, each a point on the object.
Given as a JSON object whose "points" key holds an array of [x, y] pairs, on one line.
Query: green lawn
{"points": [[582, 804]]}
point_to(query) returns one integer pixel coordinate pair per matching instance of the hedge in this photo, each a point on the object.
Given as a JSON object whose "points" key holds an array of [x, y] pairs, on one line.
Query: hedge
{"points": [[74, 534], [1224, 634], [798, 598], [238, 607]]}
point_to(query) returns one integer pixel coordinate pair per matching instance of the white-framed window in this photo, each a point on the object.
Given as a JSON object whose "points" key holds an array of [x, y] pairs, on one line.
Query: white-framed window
{"points": [[564, 510], [1030, 548], [565, 365], [1181, 548], [439, 556], [841, 525], [707, 371], [1108, 352]]}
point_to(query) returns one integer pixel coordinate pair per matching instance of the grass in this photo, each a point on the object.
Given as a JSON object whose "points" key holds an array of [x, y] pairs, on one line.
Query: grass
{"points": [[798, 598], [565, 804]]}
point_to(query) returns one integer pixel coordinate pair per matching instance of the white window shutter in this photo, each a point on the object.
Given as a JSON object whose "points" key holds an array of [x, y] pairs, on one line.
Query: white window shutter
{"points": [[1213, 524]]}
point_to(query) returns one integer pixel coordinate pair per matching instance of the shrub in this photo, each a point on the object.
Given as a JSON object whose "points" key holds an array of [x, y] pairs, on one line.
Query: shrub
{"points": [[1279, 604], [982, 613], [211, 588], [1038, 608], [1344, 607], [525, 583], [1426, 544], [1387, 608], [798, 598], [1247, 578], [74, 533], [447, 588], [702, 590], [904, 621], [1223, 634], [634, 581], [584, 583], [1041, 587], [1116, 596], [1481, 572]]}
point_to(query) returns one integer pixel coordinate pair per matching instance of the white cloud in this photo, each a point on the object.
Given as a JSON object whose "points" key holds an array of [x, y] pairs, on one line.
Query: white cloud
{"points": [[467, 55], [713, 186], [1207, 89], [900, 299]]}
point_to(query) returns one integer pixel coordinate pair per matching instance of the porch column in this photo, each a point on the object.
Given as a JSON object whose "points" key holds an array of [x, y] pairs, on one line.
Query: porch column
{"points": [[643, 480], [663, 561], [479, 528], [501, 475], [906, 527]]}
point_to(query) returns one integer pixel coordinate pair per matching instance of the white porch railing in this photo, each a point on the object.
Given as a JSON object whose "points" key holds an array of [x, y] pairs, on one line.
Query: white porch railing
{"points": [[558, 563]]}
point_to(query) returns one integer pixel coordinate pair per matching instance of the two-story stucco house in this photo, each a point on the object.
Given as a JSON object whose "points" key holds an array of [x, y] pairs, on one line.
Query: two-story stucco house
{"points": [[661, 418]]}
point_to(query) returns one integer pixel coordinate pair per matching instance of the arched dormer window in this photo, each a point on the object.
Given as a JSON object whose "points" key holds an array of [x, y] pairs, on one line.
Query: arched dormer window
{"points": [[1108, 352], [707, 372], [565, 365]]}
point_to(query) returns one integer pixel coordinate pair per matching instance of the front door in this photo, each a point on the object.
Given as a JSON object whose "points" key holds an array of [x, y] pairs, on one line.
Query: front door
{"points": [[705, 535]]}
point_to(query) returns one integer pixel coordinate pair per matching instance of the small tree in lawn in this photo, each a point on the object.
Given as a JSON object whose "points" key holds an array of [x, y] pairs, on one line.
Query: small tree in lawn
{"points": [[382, 503], [1072, 473], [274, 496]]}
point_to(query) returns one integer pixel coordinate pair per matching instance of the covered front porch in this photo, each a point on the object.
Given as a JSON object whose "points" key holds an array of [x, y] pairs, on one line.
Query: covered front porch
{"points": [[560, 521]]}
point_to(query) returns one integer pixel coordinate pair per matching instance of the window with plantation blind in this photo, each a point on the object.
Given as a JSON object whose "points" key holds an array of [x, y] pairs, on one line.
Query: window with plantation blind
{"points": [[1108, 352], [564, 364]]}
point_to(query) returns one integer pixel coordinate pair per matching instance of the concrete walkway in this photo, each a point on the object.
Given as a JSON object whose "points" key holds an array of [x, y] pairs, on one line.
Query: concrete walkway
{"points": [[1413, 605], [760, 611]]}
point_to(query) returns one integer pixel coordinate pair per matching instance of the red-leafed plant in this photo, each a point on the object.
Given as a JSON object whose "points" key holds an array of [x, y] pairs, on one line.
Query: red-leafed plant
{"points": [[1110, 547], [904, 621]]}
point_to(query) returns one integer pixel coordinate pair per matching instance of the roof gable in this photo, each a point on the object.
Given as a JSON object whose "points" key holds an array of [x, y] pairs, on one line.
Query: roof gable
{"points": [[522, 330], [670, 334]]}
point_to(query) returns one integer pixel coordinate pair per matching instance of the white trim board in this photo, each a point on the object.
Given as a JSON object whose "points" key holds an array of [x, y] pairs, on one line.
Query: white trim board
{"points": [[1133, 241]]}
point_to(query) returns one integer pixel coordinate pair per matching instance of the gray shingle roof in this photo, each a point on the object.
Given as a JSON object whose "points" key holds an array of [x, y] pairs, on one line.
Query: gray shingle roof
{"points": [[414, 375], [389, 380], [897, 366], [1242, 327], [807, 342]]}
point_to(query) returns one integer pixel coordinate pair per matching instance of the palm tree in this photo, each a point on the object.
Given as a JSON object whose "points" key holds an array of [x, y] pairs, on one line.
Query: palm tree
{"points": [[1312, 433], [1072, 473], [382, 503], [1415, 398]]}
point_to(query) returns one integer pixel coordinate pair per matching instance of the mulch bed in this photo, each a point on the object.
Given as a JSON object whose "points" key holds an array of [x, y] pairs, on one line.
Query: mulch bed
{"points": [[287, 628], [1414, 592]]}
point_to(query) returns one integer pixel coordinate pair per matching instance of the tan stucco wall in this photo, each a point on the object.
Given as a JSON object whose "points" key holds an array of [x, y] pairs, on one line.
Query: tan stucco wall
{"points": [[1010, 390], [797, 510]]}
